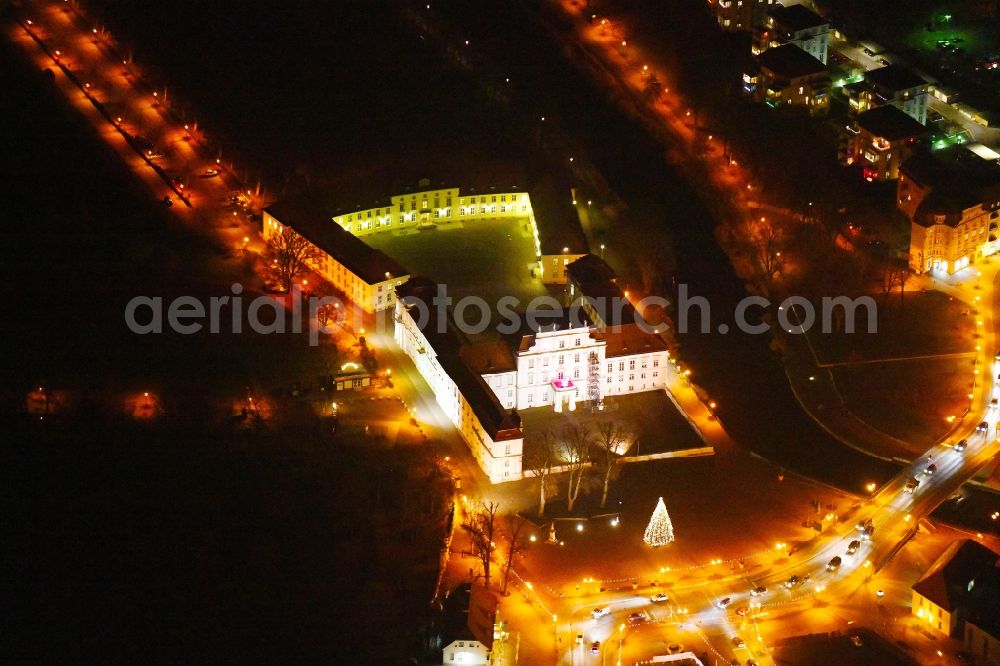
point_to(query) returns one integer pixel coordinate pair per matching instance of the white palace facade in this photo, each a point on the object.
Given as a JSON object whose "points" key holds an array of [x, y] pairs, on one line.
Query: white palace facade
{"points": [[550, 212], [481, 385]]}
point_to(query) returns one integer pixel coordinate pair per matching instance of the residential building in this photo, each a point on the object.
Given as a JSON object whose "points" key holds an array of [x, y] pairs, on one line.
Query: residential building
{"points": [[365, 275], [793, 24], [895, 85], [959, 595], [434, 342], [787, 75], [951, 197], [468, 626], [739, 15], [880, 140]]}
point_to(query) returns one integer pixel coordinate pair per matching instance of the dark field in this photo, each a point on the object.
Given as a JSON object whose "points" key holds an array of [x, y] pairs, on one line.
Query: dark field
{"points": [[191, 538]]}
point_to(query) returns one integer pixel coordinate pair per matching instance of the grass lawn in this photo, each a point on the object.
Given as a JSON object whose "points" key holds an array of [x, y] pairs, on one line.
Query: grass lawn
{"points": [[486, 258], [910, 400], [928, 322]]}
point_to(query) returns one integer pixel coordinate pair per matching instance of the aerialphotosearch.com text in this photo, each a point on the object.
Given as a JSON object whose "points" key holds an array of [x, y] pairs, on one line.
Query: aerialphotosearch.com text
{"points": [[297, 313]]}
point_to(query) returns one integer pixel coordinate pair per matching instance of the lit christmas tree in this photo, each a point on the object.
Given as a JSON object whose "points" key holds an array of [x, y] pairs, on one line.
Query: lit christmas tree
{"points": [[660, 530]]}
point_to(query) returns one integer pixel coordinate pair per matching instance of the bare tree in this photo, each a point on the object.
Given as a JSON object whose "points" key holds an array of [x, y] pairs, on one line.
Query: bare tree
{"points": [[516, 540], [481, 527], [904, 276], [652, 89], [766, 241], [292, 255], [609, 442], [540, 456], [577, 441]]}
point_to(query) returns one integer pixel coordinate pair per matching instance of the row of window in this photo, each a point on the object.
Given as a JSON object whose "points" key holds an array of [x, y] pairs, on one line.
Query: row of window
{"points": [[425, 204]]}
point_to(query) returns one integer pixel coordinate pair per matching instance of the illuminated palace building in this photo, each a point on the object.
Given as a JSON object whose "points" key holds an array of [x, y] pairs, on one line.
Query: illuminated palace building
{"points": [[603, 350], [558, 364], [368, 277]]}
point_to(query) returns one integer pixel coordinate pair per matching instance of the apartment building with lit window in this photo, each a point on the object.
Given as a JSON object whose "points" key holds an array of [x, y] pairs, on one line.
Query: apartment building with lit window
{"points": [[879, 141], [739, 15], [788, 76], [895, 85], [959, 596], [793, 24], [365, 275], [952, 199]]}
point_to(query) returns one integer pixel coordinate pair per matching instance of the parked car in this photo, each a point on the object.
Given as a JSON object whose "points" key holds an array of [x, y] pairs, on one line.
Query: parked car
{"points": [[856, 640], [738, 642], [595, 648], [598, 613], [834, 564], [853, 547], [659, 598], [758, 590], [675, 648], [741, 611], [167, 201], [579, 639]]}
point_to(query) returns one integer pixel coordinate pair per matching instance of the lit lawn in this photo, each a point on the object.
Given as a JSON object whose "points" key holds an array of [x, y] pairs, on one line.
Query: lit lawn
{"points": [[974, 38], [910, 400], [929, 322], [726, 507], [487, 258]]}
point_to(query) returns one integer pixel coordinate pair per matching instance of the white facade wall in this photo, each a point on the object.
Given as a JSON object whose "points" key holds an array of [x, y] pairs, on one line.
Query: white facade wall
{"points": [[466, 652], [565, 351], [530, 385], [634, 373], [501, 461]]}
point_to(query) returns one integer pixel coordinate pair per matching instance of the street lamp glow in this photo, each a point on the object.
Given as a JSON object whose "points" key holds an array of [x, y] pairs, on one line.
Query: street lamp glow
{"points": [[871, 487], [579, 527]]}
